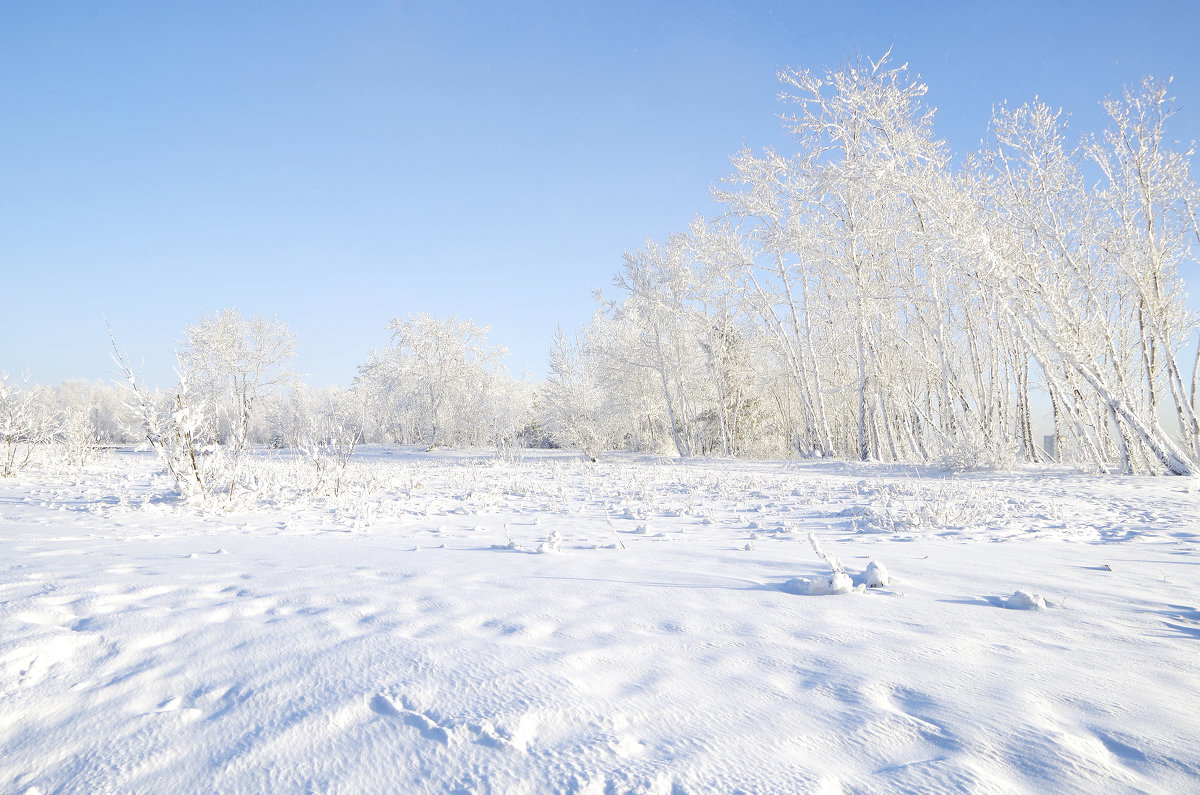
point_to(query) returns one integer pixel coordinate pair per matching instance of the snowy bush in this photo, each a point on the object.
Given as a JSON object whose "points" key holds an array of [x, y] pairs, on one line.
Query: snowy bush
{"points": [[876, 576], [326, 434], [77, 437], [971, 452], [180, 428], [24, 424], [920, 505], [552, 543]]}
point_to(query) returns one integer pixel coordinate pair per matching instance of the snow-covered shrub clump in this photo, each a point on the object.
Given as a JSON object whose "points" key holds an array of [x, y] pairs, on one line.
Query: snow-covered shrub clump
{"points": [[919, 505], [552, 543], [1023, 600], [969, 452], [326, 437], [77, 438], [836, 582], [181, 432]]}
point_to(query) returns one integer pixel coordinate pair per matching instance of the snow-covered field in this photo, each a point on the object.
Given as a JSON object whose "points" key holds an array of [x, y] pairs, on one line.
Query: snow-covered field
{"points": [[420, 632]]}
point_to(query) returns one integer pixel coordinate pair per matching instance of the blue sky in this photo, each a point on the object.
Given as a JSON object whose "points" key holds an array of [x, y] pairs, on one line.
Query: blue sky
{"points": [[341, 164]]}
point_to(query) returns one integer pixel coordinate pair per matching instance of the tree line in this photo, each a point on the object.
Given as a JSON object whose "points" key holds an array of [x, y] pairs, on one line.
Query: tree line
{"points": [[866, 296]]}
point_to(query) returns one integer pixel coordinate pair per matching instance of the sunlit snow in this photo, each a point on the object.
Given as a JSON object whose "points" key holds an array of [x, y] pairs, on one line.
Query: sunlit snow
{"points": [[406, 636]]}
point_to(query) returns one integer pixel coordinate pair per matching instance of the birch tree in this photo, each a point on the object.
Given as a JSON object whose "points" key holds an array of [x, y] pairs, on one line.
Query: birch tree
{"points": [[1048, 255], [658, 283], [1147, 193]]}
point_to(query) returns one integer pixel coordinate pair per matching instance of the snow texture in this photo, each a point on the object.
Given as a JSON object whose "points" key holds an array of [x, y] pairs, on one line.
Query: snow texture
{"points": [[393, 638]]}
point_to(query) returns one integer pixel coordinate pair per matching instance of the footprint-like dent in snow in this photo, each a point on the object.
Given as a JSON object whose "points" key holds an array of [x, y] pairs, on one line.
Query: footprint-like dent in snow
{"points": [[428, 728], [512, 735], [502, 736]]}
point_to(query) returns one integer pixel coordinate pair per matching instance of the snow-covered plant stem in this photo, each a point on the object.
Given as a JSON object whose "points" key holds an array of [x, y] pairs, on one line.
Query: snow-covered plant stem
{"points": [[181, 434]]}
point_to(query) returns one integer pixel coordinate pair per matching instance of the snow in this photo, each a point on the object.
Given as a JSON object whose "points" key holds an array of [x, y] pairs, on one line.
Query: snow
{"points": [[394, 638], [837, 582], [1023, 600]]}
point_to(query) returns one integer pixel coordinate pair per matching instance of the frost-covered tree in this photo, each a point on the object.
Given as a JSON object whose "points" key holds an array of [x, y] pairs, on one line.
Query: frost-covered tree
{"points": [[658, 283], [768, 195], [633, 395], [575, 404], [849, 275], [232, 361], [868, 163], [1149, 196], [1073, 281], [102, 404], [439, 383], [505, 408], [861, 298]]}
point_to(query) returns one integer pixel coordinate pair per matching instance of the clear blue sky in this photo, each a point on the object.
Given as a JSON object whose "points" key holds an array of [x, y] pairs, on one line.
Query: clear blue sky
{"points": [[341, 164]]}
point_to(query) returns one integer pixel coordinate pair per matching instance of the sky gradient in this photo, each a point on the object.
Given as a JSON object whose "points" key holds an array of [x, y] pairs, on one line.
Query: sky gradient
{"points": [[341, 164]]}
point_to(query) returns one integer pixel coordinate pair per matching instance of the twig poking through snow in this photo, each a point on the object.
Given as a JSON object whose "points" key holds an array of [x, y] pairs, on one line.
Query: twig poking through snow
{"points": [[511, 544], [836, 582], [616, 538], [831, 560]]}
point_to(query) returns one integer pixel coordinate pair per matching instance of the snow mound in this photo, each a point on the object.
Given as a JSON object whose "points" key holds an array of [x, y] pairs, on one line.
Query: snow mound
{"points": [[835, 583], [1023, 600], [876, 576], [832, 584]]}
